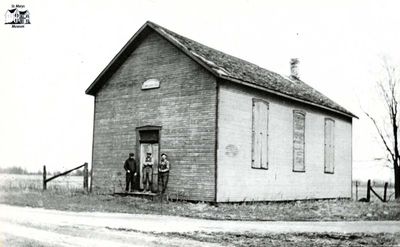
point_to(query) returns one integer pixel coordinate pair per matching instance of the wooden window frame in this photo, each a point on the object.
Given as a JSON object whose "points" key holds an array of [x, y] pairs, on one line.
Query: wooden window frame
{"points": [[303, 113], [254, 101], [333, 146]]}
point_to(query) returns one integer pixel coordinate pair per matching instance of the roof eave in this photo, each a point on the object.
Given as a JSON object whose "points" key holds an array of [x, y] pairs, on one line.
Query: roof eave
{"points": [[96, 84], [249, 84], [188, 53]]}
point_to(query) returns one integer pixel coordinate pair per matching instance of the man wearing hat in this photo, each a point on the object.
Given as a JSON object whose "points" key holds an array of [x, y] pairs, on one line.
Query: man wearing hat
{"points": [[163, 172], [130, 168], [148, 172]]}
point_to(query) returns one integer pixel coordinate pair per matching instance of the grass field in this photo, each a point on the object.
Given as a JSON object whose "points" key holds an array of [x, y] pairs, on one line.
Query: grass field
{"points": [[35, 182], [71, 183], [331, 210], [66, 193]]}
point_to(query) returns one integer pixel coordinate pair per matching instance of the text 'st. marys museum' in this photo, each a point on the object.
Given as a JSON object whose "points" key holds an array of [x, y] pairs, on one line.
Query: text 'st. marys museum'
{"points": [[233, 131]]}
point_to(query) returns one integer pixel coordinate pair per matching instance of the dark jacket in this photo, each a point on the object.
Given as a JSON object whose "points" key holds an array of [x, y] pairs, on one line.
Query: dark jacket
{"points": [[130, 165], [164, 166]]}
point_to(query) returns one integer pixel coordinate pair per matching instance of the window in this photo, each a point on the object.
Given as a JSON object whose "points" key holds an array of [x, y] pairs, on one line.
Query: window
{"points": [[298, 141], [259, 150], [329, 145]]}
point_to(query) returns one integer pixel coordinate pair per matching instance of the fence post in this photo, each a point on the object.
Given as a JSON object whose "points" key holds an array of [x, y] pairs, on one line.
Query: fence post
{"points": [[369, 190], [85, 177], [44, 178], [356, 190], [385, 192]]}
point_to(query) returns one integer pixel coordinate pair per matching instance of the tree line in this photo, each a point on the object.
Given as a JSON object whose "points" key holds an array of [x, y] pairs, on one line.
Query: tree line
{"points": [[23, 171]]}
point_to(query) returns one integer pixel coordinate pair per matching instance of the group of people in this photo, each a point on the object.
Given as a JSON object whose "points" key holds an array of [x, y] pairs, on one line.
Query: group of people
{"points": [[147, 172]]}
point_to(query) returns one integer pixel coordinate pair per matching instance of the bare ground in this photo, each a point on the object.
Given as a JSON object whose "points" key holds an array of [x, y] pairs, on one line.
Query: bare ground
{"points": [[25, 226]]}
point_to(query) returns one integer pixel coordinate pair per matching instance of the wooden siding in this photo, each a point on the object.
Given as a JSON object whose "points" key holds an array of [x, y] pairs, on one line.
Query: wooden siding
{"points": [[184, 106], [237, 181]]}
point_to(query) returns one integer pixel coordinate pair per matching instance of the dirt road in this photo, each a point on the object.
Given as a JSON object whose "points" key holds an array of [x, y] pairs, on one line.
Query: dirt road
{"points": [[61, 228]]}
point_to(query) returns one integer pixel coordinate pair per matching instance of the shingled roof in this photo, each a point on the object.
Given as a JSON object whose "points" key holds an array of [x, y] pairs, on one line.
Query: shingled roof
{"points": [[12, 10], [227, 67]]}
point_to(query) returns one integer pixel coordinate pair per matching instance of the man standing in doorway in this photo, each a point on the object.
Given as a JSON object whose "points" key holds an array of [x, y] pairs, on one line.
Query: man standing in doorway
{"points": [[163, 172], [130, 168], [148, 173]]}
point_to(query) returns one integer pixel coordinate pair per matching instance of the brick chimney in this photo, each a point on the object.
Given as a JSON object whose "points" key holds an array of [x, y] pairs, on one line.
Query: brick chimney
{"points": [[294, 68]]}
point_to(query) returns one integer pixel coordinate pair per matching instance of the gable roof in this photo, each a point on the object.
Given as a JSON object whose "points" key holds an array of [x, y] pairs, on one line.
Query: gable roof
{"points": [[12, 10], [226, 67]]}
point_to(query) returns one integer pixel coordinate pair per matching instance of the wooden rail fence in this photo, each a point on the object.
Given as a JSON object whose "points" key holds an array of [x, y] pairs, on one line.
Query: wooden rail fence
{"points": [[369, 189], [85, 176]]}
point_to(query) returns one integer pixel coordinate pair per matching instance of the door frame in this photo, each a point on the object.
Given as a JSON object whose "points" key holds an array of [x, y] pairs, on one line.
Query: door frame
{"points": [[138, 141], [154, 146]]}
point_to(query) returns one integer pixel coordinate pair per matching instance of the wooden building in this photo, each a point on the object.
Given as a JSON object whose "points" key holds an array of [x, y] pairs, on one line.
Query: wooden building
{"points": [[12, 16], [233, 131]]}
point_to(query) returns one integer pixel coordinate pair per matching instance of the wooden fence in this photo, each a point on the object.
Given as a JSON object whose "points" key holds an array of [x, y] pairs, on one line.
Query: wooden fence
{"points": [[85, 176], [362, 191], [369, 189]]}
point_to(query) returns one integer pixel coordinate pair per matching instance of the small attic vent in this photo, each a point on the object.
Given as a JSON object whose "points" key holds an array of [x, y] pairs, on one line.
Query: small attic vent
{"points": [[150, 83]]}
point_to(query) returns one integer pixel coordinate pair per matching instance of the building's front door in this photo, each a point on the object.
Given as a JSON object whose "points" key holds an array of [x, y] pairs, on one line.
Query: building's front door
{"points": [[154, 150], [148, 141]]}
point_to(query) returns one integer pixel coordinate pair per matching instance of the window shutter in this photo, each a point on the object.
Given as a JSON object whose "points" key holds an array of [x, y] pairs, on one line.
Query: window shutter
{"points": [[256, 139], [329, 145], [260, 134], [264, 135], [298, 141]]}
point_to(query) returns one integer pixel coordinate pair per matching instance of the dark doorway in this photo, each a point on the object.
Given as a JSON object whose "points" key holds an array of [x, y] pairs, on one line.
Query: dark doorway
{"points": [[148, 142]]}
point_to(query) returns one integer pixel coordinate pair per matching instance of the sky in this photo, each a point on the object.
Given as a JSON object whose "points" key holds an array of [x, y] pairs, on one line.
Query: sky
{"points": [[45, 67]]}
